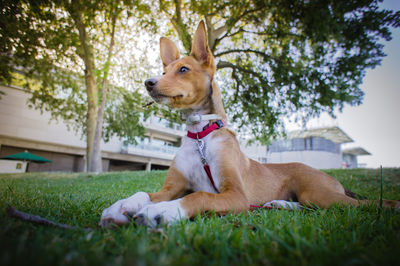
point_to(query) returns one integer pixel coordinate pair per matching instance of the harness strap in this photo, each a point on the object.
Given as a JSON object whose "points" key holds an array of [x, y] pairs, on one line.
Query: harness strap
{"points": [[208, 172], [200, 144]]}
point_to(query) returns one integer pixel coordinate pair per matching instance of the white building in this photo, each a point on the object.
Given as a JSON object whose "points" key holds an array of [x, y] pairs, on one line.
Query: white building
{"points": [[319, 148], [350, 156]]}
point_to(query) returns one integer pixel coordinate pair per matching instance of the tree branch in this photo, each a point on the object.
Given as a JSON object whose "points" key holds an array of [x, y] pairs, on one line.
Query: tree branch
{"points": [[236, 78], [213, 34], [241, 51], [109, 55], [218, 40], [228, 35], [266, 33], [246, 12], [225, 64], [214, 41], [179, 26], [87, 55]]}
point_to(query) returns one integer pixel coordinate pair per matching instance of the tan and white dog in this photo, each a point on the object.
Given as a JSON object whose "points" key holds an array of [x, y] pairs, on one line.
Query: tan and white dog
{"points": [[234, 182]]}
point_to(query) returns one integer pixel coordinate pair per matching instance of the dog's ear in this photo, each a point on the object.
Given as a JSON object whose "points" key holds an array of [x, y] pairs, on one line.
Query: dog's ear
{"points": [[200, 49], [168, 50]]}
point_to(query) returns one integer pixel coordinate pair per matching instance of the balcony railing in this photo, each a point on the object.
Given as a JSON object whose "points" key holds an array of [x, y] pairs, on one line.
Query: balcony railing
{"points": [[149, 150], [156, 148], [163, 125]]}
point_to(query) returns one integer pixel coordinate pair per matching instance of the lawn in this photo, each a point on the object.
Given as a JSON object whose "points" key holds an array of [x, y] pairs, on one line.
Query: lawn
{"points": [[337, 236]]}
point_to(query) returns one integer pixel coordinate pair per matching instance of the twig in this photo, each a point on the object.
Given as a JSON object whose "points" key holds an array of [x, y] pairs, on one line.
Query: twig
{"points": [[13, 212], [148, 104]]}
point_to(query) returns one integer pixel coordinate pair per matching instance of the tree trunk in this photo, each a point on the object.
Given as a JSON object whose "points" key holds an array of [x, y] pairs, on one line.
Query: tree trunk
{"points": [[97, 164], [178, 24], [213, 34], [183, 32], [93, 153], [96, 96], [93, 149]]}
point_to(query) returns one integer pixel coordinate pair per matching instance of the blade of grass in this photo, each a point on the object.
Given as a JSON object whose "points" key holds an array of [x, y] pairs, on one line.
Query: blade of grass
{"points": [[380, 195]]}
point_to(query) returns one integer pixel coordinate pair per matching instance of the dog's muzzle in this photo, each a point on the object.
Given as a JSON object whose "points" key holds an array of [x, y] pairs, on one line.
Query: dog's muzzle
{"points": [[150, 84]]}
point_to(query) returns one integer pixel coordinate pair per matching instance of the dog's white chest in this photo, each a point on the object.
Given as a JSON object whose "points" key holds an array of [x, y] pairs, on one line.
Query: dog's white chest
{"points": [[188, 162]]}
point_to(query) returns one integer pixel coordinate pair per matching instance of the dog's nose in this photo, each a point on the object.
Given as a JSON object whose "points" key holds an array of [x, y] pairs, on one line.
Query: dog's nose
{"points": [[150, 84]]}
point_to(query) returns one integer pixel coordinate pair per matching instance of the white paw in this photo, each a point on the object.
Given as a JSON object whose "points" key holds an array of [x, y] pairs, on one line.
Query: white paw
{"points": [[283, 204], [160, 213], [120, 211]]}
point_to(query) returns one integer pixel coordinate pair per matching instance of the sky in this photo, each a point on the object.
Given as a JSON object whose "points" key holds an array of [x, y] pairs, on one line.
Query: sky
{"points": [[375, 124]]}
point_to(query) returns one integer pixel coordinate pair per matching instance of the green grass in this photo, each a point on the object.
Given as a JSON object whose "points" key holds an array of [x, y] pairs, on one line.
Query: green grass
{"points": [[337, 236]]}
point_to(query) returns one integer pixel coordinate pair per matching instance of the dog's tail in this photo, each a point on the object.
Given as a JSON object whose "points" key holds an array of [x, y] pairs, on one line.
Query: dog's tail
{"points": [[353, 194]]}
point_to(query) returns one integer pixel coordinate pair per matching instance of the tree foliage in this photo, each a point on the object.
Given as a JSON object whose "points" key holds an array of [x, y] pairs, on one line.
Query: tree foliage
{"points": [[72, 54], [283, 58], [275, 59]]}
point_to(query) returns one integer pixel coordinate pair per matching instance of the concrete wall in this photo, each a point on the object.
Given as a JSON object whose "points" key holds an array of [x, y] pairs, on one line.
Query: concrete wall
{"points": [[19, 121], [316, 159]]}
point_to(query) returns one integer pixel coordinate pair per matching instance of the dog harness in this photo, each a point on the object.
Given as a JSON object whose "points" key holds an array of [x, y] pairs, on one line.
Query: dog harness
{"points": [[200, 146]]}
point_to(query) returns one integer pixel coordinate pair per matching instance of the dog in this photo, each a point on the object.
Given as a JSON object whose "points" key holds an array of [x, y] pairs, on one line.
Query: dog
{"points": [[209, 172]]}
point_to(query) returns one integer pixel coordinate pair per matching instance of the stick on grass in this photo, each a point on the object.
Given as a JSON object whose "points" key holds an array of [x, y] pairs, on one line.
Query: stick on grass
{"points": [[13, 212]]}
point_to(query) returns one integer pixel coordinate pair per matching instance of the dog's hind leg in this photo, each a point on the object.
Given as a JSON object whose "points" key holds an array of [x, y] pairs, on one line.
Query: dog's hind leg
{"points": [[324, 198]]}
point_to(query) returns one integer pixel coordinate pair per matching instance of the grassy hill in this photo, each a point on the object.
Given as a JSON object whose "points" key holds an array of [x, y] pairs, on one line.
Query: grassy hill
{"points": [[337, 236]]}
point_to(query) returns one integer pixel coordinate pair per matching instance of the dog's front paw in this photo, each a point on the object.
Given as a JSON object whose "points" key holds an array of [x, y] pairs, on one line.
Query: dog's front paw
{"points": [[160, 213], [283, 204], [120, 212]]}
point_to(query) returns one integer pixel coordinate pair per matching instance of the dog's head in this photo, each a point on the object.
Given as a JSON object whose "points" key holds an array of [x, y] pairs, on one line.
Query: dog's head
{"points": [[186, 82]]}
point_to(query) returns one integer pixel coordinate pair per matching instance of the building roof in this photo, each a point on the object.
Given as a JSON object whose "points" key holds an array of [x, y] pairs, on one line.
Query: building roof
{"points": [[334, 134], [356, 151]]}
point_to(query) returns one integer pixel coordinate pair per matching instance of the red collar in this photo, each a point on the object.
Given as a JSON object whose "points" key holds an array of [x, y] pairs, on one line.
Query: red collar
{"points": [[206, 131]]}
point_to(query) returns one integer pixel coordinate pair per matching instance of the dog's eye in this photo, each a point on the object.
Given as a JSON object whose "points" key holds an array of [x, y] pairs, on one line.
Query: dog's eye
{"points": [[183, 69]]}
